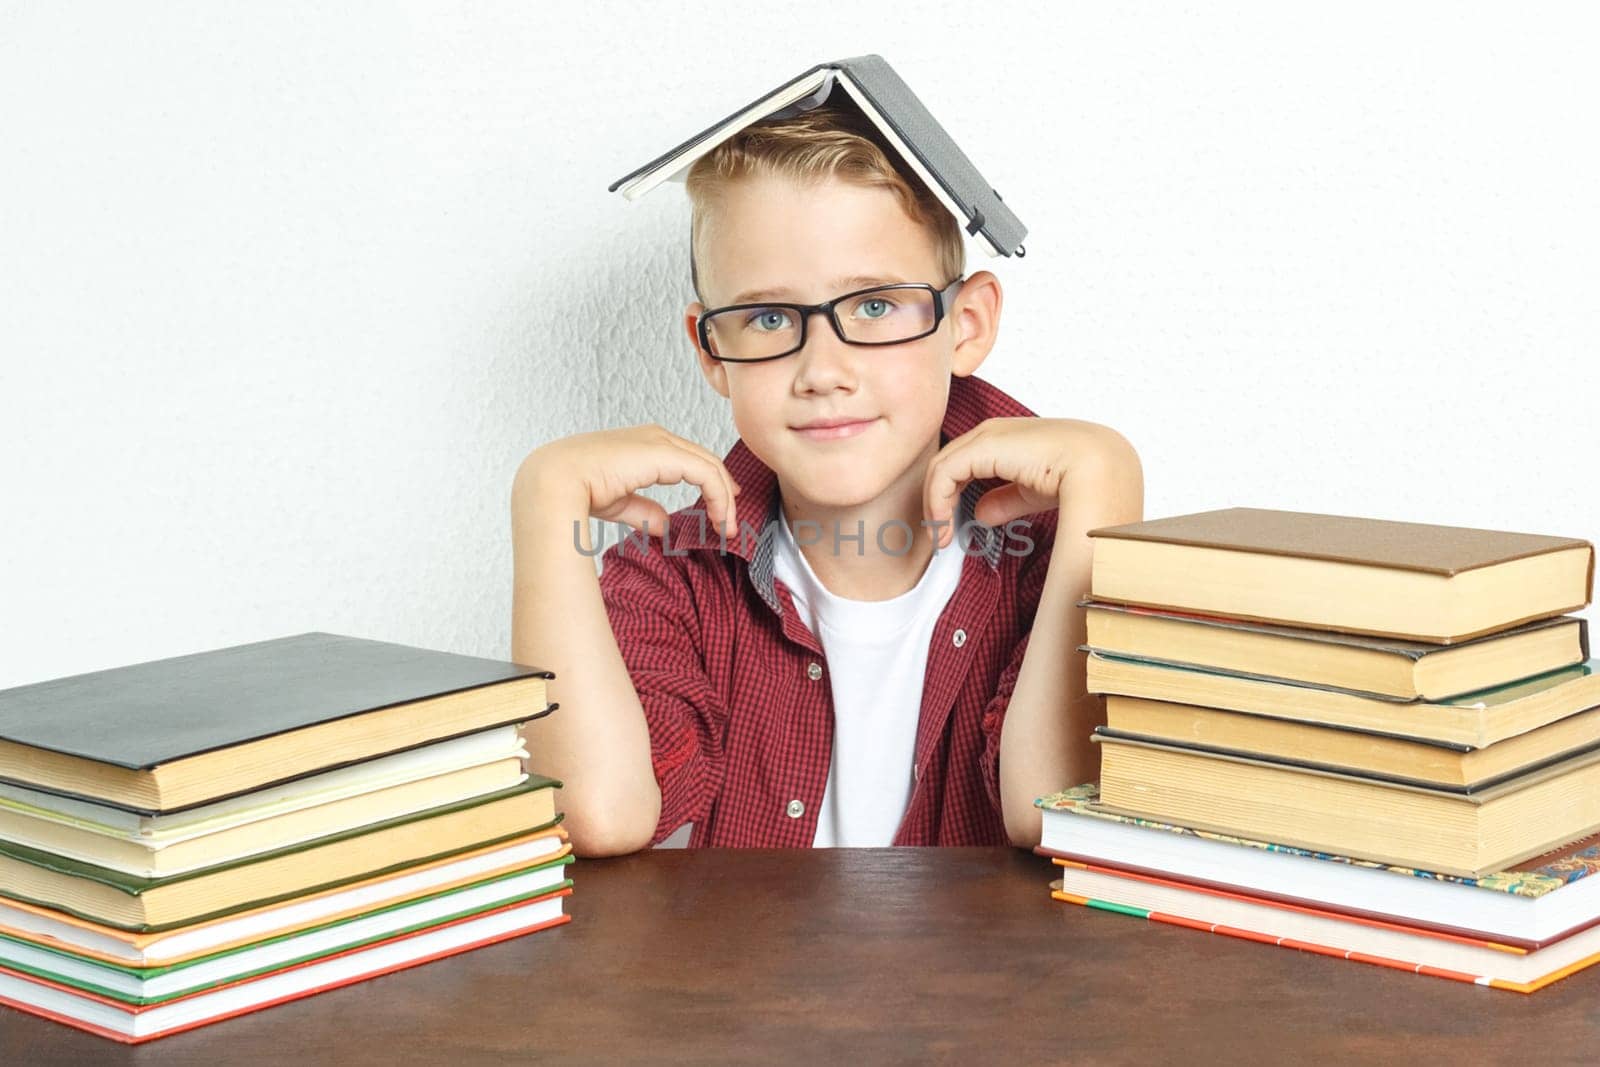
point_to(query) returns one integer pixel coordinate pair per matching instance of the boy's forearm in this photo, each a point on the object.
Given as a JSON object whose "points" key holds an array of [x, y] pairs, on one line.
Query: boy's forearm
{"points": [[596, 742], [1044, 740]]}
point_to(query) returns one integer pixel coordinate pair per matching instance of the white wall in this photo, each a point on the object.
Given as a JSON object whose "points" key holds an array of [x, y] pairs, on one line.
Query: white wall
{"points": [[287, 291]]}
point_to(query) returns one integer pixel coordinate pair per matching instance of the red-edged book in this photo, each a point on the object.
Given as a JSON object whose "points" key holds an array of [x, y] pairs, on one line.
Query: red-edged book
{"points": [[1517, 929], [135, 1023], [1362, 940]]}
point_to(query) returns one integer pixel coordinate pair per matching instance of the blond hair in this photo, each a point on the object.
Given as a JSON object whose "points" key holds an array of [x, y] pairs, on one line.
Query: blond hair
{"points": [[824, 142]]}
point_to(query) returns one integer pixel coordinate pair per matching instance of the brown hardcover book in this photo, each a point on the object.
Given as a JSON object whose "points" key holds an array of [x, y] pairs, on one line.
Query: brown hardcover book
{"points": [[1427, 763], [1472, 720], [1373, 666], [115, 898], [1470, 835], [1417, 581], [138, 857]]}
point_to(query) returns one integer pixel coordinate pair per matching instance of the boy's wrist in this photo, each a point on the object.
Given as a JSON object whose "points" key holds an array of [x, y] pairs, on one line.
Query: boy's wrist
{"points": [[549, 513], [537, 484], [1102, 455]]}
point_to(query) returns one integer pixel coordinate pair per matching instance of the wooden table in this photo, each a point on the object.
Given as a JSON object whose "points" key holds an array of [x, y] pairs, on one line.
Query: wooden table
{"points": [[865, 956]]}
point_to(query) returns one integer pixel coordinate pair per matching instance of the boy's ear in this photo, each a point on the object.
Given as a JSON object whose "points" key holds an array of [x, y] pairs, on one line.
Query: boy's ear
{"points": [[714, 370], [976, 315]]}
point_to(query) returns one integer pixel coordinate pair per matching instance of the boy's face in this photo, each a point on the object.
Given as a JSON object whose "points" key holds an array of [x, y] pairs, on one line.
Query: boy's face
{"points": [[805, 244]]}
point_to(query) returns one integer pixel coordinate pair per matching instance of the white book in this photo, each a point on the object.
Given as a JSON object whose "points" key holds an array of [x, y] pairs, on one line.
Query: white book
{"points": [[1530, 904]]}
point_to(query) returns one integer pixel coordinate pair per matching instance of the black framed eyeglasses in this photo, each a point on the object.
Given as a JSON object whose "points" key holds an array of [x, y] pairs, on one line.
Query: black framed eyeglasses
{"points": [[881, 315]]}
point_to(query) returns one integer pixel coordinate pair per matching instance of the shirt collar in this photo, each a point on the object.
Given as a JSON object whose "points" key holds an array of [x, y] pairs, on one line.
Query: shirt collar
{"points": [[971, 401]]}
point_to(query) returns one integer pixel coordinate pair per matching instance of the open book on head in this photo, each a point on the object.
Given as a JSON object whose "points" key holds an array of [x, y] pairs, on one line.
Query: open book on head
{"points": [[870, 85]]}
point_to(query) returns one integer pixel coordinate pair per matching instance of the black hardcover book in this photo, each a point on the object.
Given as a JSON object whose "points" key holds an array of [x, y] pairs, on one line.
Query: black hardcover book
{"points": [[212, 715]]}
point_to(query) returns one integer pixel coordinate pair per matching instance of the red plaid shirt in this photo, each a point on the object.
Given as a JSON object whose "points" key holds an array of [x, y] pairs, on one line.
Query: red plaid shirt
{"points": [[734, 686]]}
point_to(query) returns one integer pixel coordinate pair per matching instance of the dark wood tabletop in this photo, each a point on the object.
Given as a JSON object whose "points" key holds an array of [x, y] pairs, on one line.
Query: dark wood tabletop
{"points": [[867, 956]]}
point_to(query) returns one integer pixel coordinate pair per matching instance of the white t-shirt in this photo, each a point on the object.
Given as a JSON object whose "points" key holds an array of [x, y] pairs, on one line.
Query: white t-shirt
{"points": [[877, 654]]}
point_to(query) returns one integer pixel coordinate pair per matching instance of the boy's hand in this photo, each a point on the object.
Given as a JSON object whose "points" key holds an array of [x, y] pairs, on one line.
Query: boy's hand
{"points": [[1033, 454], [608, 467]]}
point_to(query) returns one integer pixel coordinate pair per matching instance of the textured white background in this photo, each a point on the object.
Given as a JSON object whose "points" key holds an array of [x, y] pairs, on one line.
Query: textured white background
{"points": [[287, 291]]}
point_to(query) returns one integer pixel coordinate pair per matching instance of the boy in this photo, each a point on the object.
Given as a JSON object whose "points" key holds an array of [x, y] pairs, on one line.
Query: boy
{"points": [[824, 648]]}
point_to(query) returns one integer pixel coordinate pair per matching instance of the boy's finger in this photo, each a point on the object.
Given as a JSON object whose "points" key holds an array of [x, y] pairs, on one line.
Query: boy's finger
{"points": [[945, 477], [1003, 504], [949, 474], [725, 478], [950, 471], [942, 482], [641, 513], [715, 482]]}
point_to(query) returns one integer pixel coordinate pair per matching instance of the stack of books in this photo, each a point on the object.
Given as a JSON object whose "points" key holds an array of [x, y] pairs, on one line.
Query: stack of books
{"points": [[190, 839], [1374, 739]]}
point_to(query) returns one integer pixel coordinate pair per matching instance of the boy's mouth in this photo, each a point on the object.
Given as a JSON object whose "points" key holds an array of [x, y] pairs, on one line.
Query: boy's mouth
{"points": [[833, 429]]}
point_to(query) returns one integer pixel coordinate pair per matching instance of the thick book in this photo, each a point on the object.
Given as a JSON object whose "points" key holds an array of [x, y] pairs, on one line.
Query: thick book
{"points": [[1467, 834], [1426, 763], [1383, 667], [154, 985], [175, 733], [326, 787], [1527, 905], [1472, 720], [118, 899], [50, 928], [132, 1024], [1416, 581], [1326, 934], [869, 85], [296, 829]]}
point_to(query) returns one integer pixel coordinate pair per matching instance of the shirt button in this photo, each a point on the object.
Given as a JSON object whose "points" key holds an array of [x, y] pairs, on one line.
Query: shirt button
{"points": [[813, 671], [959, 638], [795, 809]]}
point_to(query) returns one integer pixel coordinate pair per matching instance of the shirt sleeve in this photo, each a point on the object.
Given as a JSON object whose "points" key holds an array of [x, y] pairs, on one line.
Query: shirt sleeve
{"points": [[1025, 600], [653, 616]]}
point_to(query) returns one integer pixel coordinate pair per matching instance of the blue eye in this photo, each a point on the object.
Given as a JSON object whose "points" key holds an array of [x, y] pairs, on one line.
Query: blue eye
{"points": [[875, 307], [762, 320]]}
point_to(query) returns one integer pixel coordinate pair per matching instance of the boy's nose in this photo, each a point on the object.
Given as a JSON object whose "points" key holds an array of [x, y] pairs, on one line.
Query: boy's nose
{"points": [[823, 341], [825, 358]]}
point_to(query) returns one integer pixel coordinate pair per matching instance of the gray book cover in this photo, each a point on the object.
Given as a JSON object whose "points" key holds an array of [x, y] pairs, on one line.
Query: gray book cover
{"points": [[870, 85], [147, 714]]}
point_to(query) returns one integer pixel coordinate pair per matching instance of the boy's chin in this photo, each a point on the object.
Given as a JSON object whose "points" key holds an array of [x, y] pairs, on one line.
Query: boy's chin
{"points": [[838, 489]]}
